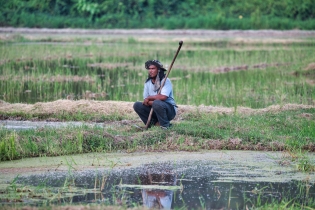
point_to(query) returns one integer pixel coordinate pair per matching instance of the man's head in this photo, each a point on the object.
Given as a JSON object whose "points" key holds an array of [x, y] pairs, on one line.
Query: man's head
{"points": [[155, 71], [156, 63]]}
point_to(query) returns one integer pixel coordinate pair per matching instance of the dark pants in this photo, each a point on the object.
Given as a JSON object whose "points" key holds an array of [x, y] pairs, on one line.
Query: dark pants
{"points": [[162, 112]]}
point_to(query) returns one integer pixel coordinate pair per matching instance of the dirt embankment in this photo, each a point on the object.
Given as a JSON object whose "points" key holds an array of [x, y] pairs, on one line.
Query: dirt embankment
{"points": [[158, 32], [161, 34]]}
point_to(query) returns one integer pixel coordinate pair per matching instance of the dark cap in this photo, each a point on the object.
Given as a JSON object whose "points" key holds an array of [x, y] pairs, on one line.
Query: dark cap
{"points": [[156, 63]]}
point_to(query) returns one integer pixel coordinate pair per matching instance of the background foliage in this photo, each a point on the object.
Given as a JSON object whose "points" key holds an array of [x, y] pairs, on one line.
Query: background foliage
{"points": [[167, 14]]}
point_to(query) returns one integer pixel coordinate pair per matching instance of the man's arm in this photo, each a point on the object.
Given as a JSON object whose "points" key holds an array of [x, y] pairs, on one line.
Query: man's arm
{"points": [[149, 100], [165, 92]]}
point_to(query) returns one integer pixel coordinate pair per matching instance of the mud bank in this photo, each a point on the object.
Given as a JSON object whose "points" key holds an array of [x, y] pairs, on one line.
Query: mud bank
{"points": [[248, 36], [158, 32]]}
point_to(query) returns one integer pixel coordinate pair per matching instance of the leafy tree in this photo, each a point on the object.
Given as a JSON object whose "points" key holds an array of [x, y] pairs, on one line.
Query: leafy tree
{"points": [[212, 14]]}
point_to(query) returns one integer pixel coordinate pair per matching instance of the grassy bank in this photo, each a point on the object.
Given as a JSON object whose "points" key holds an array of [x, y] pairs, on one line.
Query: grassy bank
{"points": [[277, 128]]}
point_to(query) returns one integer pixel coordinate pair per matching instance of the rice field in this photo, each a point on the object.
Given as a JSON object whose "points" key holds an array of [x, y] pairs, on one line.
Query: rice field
{"points": [[253, 73], [235, 92]]}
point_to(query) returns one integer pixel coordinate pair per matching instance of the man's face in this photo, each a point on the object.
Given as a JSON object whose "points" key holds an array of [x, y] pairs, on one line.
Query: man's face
{"points": [[153, 71]]}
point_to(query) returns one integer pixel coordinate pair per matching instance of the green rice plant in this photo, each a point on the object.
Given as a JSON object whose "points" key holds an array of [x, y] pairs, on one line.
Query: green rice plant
{"points": [[80, 142], [305, 164], [13, 185], [8, 147], [230, 196], [268, 77], [300, 198], [202, 202], [31, 146]]}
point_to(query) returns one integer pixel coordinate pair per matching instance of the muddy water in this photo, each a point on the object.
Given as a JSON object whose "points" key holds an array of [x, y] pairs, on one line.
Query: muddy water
{"points": [[207, 180]]}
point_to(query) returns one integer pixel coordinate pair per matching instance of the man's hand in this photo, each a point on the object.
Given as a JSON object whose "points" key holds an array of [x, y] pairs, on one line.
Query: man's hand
{"points": [[146, 102]]}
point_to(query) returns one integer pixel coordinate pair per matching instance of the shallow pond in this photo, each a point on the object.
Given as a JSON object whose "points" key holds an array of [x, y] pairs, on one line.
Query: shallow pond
{"points": [[205, 180]]}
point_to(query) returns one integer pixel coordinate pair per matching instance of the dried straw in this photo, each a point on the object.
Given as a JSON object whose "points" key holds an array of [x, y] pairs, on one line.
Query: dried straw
{"points": [[126, 108]]}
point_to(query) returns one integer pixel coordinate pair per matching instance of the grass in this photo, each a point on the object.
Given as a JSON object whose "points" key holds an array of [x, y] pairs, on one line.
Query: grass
{"points": [[286, 126], [288, 130], [224, 73]]}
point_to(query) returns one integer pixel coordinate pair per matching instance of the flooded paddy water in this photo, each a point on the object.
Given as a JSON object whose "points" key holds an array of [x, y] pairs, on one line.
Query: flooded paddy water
{"points": [[177, 180]]}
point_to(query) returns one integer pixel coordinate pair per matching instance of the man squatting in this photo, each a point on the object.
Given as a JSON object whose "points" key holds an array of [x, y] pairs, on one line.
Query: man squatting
{"points": [[163, 104]]}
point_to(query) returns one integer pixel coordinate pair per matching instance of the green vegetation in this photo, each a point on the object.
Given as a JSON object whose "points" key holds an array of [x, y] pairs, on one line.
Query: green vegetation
{"points": [[221, 73], [249, 78], [185, 14], [282, 131], [225, 73]]}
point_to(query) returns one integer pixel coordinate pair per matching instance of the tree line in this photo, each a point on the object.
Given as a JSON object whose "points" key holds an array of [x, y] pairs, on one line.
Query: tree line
{"points": [[165, 14]]}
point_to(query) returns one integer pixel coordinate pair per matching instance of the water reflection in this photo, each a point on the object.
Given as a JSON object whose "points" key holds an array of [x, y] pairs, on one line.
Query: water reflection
{"points": [[163, 186], [157, 198]]}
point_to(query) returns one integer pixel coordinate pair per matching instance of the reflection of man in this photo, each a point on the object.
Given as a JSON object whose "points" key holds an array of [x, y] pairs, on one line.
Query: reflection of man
{"points": [[157, 199]]}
